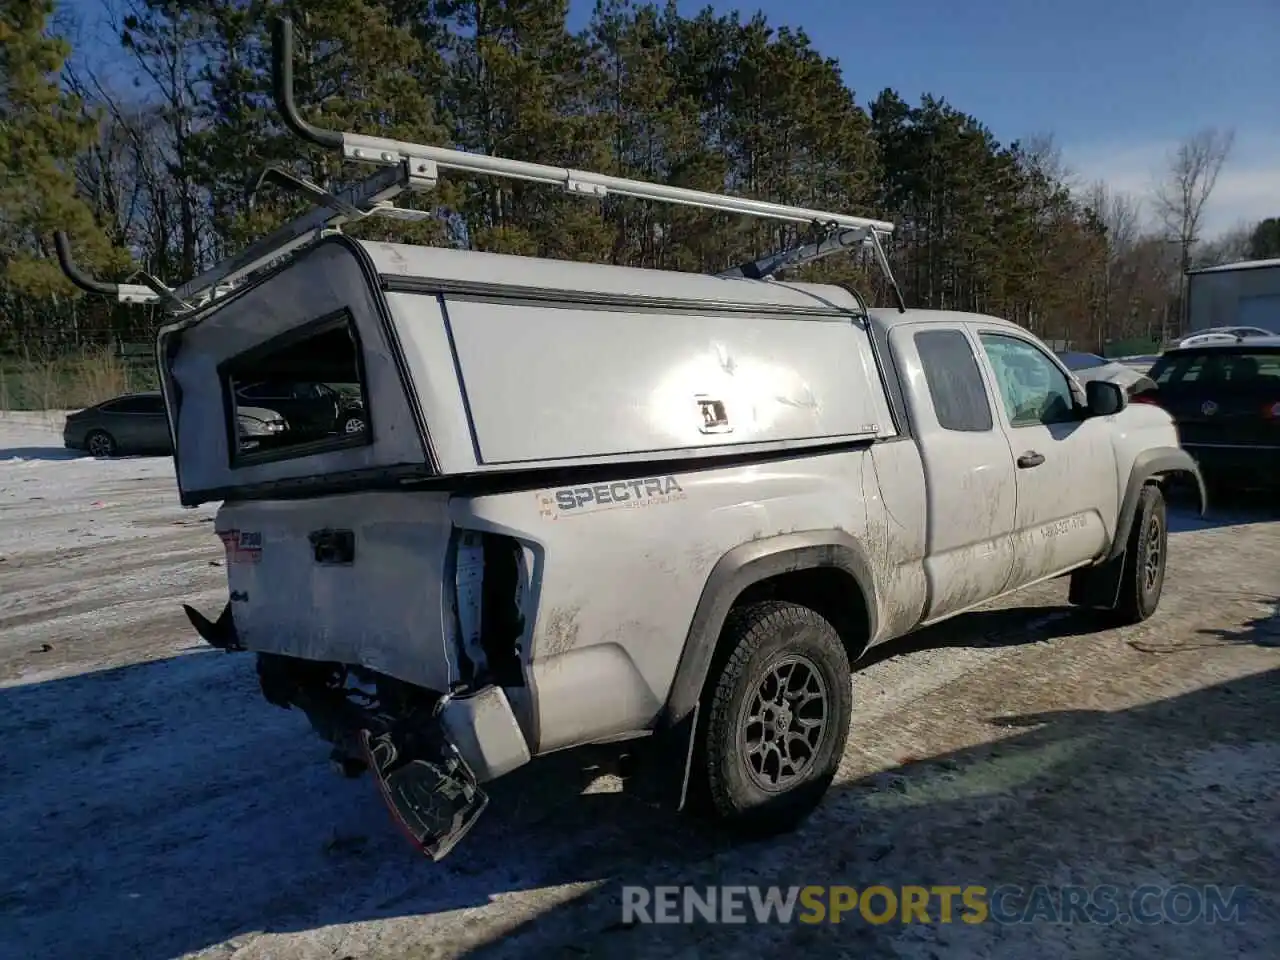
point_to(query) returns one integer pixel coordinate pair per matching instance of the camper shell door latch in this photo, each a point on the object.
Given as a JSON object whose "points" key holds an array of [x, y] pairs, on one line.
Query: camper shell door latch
{"points": [[715, 419], [333, 547]]}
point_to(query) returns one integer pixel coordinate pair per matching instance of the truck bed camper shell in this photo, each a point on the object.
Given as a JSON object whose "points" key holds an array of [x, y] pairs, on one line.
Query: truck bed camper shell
{"points": [[469, 363]]}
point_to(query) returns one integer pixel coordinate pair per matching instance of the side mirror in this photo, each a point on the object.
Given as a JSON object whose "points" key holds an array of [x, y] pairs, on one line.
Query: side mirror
{"points": [[1105, 398]]}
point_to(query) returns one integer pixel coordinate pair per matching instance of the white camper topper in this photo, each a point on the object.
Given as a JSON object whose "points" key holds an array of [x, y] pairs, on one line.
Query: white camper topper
{"points": [[471, 363]]}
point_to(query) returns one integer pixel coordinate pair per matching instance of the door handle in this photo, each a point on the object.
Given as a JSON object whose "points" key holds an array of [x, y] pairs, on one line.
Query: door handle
{"points": [[1030, 459]]}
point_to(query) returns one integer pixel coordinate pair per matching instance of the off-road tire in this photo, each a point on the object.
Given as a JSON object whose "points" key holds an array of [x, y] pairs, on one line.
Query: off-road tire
{"points": [[105, 443], [1142, 581], [758, 639]]}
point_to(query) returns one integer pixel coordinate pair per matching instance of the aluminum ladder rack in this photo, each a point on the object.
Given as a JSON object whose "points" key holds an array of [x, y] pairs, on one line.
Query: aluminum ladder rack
{"points": [[416, 167]]}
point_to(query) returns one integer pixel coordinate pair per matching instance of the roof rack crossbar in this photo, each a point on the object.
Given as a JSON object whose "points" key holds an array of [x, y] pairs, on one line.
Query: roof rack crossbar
{"points": [[368, 197], [835, 241], [362, 198], [424, 158]]}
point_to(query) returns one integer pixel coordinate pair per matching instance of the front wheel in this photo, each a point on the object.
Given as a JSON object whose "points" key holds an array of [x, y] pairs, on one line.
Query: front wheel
{"points": [[778, 717], [1142, 581]]}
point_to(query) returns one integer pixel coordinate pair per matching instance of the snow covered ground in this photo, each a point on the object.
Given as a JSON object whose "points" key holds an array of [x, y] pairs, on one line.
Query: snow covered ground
{"points": [[152, 805]]}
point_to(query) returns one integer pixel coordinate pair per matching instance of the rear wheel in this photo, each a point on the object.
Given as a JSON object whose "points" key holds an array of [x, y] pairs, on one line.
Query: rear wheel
{"points": [[777, 721], [353, 424], [1142, 581], [99, 443]]}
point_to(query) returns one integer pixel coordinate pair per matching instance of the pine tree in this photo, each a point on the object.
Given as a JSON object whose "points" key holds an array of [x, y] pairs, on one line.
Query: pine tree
{"points": [[42, 130]]}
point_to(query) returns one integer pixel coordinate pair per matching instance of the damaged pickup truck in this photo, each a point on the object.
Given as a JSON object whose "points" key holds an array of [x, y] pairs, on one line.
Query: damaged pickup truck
{"points": [[596, 504]]}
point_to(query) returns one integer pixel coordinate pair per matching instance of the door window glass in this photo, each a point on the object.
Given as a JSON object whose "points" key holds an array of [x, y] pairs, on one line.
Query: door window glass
{"points": [[1034, 389]]}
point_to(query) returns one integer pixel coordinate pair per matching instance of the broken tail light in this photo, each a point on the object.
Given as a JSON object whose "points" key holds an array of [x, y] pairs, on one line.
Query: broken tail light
{"points": [[489, 594]]}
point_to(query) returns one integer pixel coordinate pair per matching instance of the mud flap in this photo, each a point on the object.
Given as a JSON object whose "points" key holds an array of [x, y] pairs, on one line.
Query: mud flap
{"points": [[1098, 586], [221, 633], [435, 802], [661, 764]]}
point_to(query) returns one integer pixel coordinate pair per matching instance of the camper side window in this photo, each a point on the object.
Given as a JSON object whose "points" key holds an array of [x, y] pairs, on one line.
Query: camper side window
{"points": [[298, 394]]}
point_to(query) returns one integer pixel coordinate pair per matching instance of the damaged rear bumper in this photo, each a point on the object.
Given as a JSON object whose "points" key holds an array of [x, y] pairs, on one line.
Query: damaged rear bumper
{"points": [[428, 752]]}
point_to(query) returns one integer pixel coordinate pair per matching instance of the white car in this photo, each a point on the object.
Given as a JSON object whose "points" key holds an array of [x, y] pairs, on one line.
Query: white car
{"points": [[1090, 366], [1224, 335]]}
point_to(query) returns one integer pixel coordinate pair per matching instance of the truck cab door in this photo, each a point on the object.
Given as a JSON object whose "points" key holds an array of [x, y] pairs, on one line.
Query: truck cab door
{"points": [[968, 466], [1068, 491]]}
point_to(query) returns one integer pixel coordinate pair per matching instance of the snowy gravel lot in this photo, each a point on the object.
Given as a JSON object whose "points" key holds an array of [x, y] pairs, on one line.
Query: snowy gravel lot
{"points": [[153, 806]]}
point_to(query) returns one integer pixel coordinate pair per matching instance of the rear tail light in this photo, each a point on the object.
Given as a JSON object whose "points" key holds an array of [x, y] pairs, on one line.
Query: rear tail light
{"points": [[1271, 411], [1144, 398]]}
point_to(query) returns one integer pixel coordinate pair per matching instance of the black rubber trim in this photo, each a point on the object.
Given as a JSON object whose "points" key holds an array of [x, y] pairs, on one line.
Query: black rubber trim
{"points": [[392, 334], [585, 300], [1147, 465], [419, 477], [887, 363], [747, 564]]}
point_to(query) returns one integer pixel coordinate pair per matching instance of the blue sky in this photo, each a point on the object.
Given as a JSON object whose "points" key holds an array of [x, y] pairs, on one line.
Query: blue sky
{"points": [[1117, 82]]}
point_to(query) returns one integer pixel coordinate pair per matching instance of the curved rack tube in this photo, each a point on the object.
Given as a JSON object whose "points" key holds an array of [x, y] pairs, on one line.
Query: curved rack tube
{"points": [[62, 245], [282, 76], [424, 158]]}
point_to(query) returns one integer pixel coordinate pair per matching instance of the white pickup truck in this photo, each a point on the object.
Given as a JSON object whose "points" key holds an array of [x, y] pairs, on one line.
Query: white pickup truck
{"points": [[590, 504]]}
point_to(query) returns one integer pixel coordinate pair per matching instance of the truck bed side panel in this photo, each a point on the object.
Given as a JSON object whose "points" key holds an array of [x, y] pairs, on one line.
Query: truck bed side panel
{"points": [[618, 581]]}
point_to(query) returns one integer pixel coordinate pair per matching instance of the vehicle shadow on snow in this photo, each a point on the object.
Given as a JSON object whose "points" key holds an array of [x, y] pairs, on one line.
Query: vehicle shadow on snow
{"points": [[52, 454], [48, 454], [1226, 509], [162, 808], [1263, 630]]}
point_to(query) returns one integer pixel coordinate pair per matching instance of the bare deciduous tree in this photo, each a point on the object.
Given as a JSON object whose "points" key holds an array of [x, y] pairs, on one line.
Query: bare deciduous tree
{"points": [[1181, 196], [1045, 155], [1231, 246], [1120, 215]]}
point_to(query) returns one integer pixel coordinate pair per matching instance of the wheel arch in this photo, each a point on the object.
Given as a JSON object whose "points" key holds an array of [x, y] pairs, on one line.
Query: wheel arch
{"points": [[1153, 466], [827, 570]]}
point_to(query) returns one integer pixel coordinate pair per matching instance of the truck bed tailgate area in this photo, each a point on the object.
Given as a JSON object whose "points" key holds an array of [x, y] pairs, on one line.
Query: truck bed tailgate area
{"points": [[356, 579]]}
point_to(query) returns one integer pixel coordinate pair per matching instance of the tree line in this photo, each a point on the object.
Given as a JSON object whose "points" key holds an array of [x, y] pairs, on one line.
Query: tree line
{"points": [[152, 174]]}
